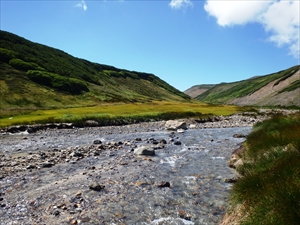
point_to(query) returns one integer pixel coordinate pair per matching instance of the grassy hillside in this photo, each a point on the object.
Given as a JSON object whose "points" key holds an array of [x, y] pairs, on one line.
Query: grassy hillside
{"points": [[226, 92], [269, 190], [37, 76]]}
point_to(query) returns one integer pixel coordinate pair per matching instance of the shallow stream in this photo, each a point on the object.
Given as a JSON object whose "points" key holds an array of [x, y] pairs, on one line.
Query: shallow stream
{"points": [[181, 184]]}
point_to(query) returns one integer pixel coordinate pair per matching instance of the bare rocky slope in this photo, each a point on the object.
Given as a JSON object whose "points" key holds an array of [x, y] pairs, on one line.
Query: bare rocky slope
{"points": [[271, 94], [196, 90], [277, 89]]}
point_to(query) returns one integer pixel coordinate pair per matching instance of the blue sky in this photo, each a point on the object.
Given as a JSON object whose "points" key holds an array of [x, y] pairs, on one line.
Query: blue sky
{"points": [[184, 42]]}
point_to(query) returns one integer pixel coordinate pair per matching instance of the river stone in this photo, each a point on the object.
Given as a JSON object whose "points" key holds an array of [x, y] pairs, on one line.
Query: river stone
{"points": [[239, 136], [144, 150], [91, 123], [46, 164], [95, 186], [163, 184], [97, 142], [177, 143], [175, 125], [76, 154]]}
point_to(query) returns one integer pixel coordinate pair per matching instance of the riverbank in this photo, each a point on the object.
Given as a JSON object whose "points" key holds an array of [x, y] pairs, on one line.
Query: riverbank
{"points": [[268, 190]]}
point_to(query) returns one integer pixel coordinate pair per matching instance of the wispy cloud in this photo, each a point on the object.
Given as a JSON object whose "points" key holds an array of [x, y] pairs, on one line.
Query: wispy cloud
{"points": [[280, 18], [178, 4], [82, 5]]}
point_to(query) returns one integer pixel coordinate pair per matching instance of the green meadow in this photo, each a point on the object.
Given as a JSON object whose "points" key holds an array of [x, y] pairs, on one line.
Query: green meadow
{"points": [[112, 113]]}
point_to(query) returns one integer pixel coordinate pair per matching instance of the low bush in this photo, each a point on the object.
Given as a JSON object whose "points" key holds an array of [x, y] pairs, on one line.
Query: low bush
{"points": [[6, 55], [25, 66], [64, 84]]}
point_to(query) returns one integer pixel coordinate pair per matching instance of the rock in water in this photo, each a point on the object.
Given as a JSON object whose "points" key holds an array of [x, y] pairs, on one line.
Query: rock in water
{"points": [[97, 142], [95, 186], [144, 150], [175, 125], [163, 184]]}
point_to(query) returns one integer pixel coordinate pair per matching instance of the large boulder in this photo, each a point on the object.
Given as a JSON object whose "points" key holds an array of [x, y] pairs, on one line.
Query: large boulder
{"points": [[144, 150], [175, 125]]}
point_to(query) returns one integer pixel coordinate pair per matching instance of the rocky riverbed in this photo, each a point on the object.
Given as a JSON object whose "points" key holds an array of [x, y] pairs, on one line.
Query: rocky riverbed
{"points": [[92, 176]]}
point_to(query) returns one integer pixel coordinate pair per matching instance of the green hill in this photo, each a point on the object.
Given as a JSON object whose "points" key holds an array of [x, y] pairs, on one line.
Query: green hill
{"points": [[276, 89], [37, 76]]}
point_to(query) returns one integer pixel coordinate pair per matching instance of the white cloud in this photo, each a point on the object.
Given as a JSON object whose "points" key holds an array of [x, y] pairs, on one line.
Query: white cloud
{"points": [[177, 4], [280, 18], [82, 5]]}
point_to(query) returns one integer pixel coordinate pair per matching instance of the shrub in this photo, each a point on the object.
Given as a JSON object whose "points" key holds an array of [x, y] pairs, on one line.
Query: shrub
{"points": [[64, 84], [6, 55], [25, 66]]}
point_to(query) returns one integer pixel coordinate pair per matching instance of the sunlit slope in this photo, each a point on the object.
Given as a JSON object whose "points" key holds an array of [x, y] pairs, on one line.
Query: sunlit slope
{"points": [[35, 75], [277, 89]]}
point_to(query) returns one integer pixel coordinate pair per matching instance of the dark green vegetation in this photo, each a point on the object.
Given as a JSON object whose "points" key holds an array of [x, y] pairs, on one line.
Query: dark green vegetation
{"points": [[270, 187], [60, 83], [225, 93], [37, 76]]}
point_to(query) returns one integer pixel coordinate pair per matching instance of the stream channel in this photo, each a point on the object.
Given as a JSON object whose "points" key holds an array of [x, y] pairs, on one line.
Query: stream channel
{"points": [[182, 184]]}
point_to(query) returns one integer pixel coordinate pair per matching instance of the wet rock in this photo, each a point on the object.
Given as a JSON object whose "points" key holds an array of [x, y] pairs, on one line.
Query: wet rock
{"points": [[96, 186], [76, 154], [239, 136], [30, 130], [163, 184], [158, 146], [97, 142], [56, 213], [91, 123], [144, 150], [184, 215], [231, 180], [180, 131], [163, 141], [30, 167], [177, 143], [46, 164], [175, 125]]}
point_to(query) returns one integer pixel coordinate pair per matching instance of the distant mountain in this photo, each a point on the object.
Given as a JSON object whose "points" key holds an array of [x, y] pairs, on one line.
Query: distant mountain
{"points": [[196, 90], [276, 89], [35, 75]]}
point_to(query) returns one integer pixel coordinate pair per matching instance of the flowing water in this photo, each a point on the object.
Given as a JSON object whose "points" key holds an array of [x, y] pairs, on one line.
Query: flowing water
{"points": [[181, 184]]}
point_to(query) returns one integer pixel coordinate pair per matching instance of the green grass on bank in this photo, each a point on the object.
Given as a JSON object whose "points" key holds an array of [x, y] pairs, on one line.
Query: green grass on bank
{"points": [[112, 113], [270, 188]]}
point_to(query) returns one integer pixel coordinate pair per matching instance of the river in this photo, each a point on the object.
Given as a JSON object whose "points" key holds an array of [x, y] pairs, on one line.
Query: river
{"points": [[183, 183]]}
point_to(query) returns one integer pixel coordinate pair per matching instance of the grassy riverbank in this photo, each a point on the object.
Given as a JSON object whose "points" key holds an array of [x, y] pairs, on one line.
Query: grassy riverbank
{"points": [[269, 192], [112, 113]]}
